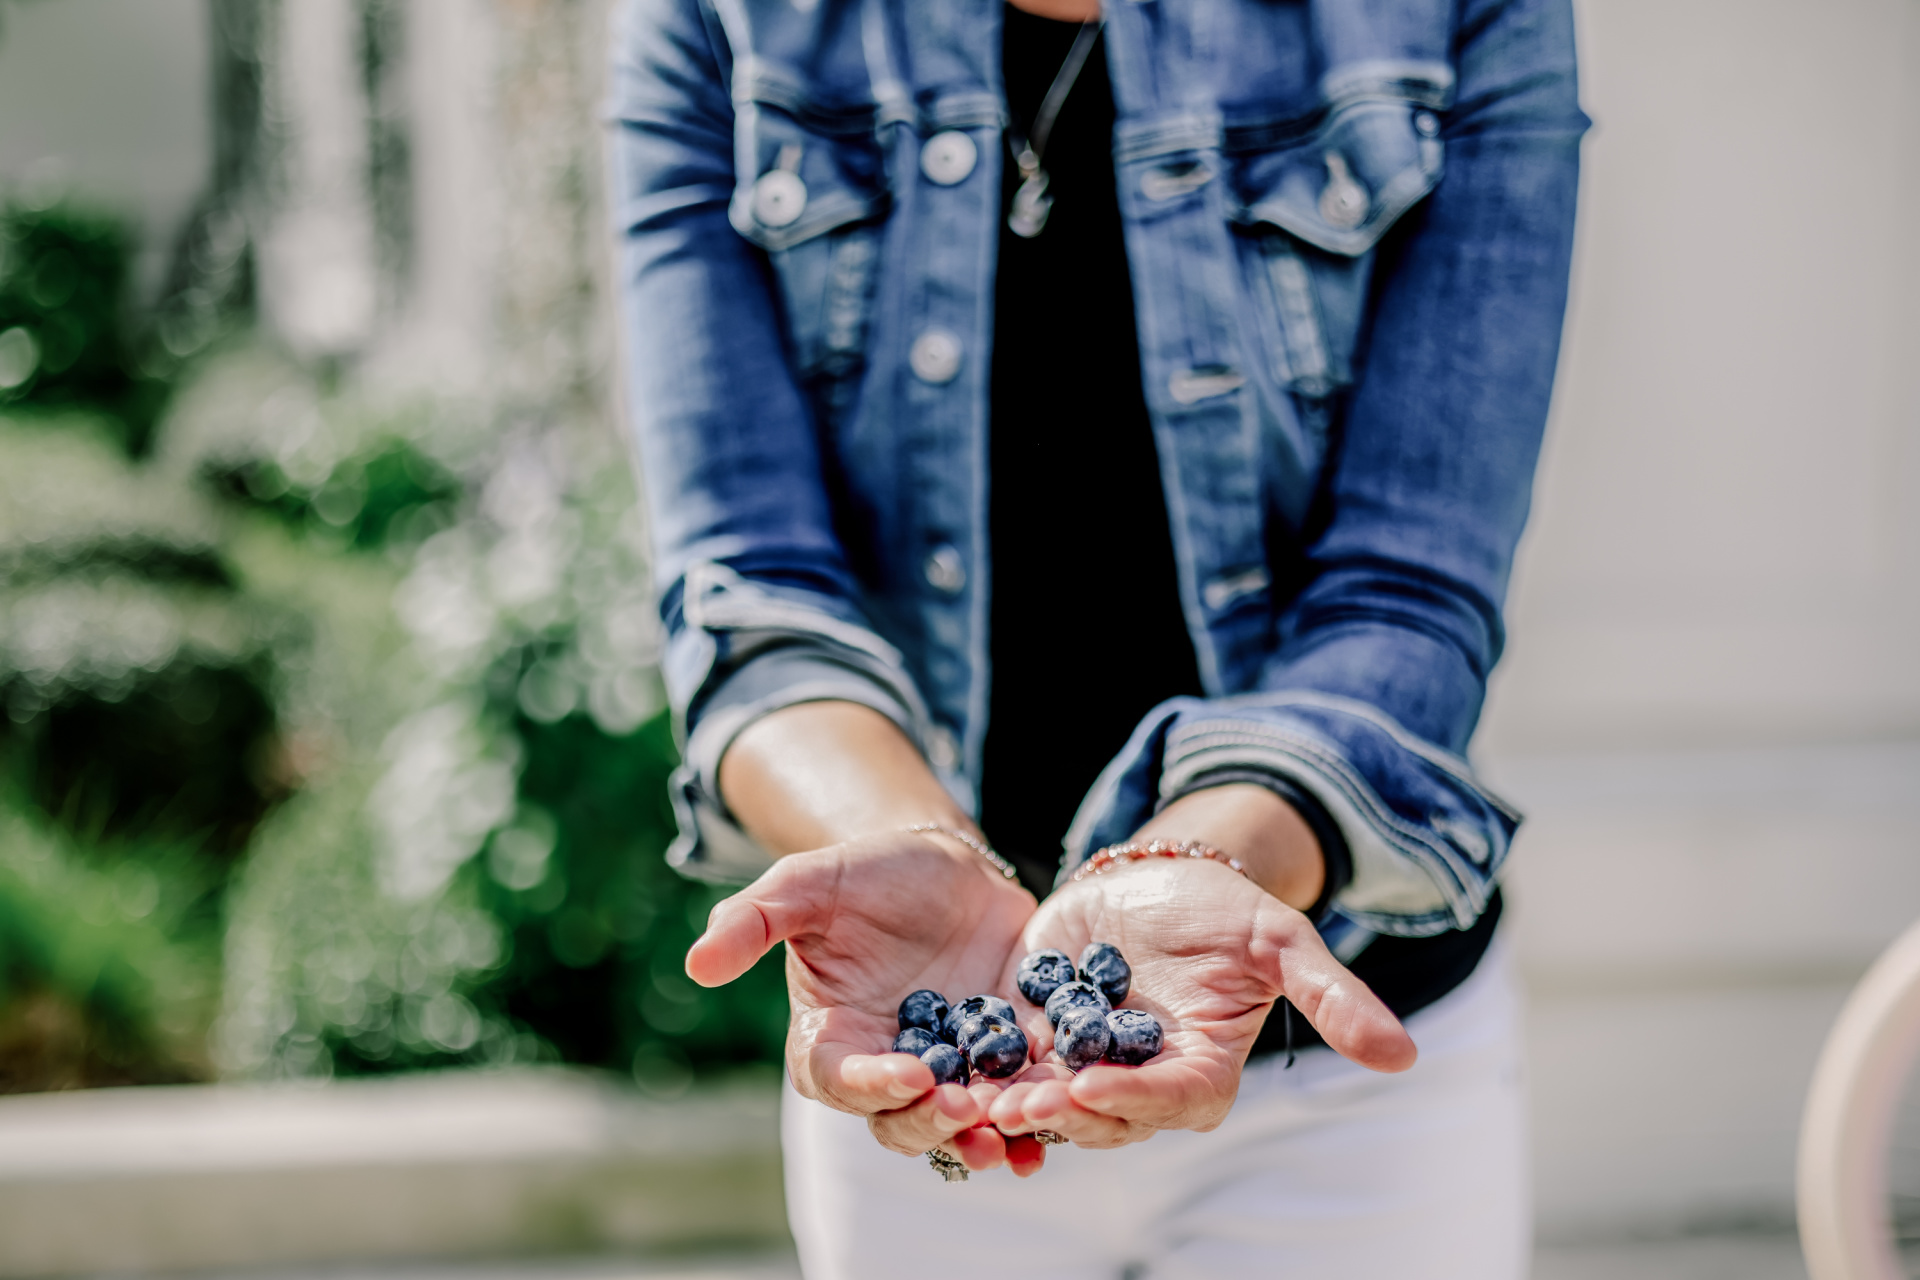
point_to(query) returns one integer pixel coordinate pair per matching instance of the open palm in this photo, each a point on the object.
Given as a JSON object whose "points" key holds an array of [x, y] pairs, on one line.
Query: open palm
{"points": [[1210, 953], [866, 922]]}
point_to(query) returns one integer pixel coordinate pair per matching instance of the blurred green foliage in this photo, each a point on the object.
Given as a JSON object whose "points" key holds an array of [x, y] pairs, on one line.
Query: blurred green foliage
{"points": [[333, 741], [65, 331]]}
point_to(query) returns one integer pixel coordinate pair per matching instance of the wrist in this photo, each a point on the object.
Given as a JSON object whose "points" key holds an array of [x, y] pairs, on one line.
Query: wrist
{"points": [[969, 838], [1265, 834]]}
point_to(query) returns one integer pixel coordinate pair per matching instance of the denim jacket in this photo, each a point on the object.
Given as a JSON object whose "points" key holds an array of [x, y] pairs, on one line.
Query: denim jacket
{"points": [[1349, 225]]}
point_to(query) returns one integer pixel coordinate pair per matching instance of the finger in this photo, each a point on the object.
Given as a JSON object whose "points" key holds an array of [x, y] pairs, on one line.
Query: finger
{"points": [[1353, 1021], [979, 1148], [1025, 1156], [1049, 1105], [795, 896], [864, 1083], [929, 1122], [1008, 1110], [1182, 1092]]}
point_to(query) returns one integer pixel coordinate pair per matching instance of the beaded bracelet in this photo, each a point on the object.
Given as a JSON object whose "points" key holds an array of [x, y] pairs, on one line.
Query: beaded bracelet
{"points": [[1116, 855], [1000, 864]]}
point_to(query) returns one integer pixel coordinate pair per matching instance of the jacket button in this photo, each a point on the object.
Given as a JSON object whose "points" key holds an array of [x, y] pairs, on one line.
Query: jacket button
{"points": [[1344, 203], [779, 197], [948, 157], [946, 571], [934, 356], [943, 753], [1428, 124]]}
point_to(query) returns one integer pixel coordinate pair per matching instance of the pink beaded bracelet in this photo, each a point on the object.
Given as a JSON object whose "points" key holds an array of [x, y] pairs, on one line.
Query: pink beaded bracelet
{"points": [[1116, 855]]}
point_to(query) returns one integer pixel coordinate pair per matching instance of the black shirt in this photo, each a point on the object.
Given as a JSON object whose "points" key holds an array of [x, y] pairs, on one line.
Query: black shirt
{"points": [[1080, 542]]}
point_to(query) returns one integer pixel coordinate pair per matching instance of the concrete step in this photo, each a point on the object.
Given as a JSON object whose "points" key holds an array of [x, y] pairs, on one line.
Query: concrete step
{"points": [[441, 1165]]}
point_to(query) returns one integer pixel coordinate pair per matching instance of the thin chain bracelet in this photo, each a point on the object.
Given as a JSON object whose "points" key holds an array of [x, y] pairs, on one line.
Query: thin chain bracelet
{"points": [[1000, 864], [1118, 855]]}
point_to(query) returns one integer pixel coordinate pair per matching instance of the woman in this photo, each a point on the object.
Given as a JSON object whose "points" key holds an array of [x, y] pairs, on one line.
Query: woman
{"points": [[1114, 427]]}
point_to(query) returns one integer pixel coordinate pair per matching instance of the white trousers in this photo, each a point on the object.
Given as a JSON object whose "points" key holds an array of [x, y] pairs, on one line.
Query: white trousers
{"points": [[1326, 1172]]}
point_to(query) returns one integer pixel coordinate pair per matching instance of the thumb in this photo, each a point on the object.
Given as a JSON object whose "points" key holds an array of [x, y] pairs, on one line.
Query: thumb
{"points": [[792, 897], [1353, 1021]]}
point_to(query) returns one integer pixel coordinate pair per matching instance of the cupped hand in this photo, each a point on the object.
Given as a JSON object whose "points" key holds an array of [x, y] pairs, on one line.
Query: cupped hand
{"points": [[866, 922], [1210, 953]]}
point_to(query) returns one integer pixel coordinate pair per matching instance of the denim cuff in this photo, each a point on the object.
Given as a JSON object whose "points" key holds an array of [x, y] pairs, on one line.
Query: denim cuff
{"points": [[745, 650], [1425, 839]]}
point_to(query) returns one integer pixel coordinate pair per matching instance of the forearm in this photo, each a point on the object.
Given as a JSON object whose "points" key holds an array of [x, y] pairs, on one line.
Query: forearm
{"points": [[818, 773]]}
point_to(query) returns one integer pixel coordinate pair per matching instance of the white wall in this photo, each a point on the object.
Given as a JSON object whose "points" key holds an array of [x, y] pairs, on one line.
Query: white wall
{"points": [[1711, 704]]}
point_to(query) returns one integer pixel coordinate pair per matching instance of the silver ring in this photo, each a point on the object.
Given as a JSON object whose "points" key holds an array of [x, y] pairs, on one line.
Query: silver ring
{"points": [[946, 1166]]}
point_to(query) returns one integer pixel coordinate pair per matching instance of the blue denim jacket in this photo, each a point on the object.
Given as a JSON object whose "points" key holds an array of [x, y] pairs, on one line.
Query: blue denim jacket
{"points": [[1349, 224]]}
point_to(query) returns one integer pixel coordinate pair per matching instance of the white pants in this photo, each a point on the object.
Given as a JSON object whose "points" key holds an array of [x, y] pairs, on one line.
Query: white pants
{"points": [[1324, 1171]]}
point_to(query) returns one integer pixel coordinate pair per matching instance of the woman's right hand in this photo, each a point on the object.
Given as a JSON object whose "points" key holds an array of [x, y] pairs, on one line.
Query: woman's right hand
{"points": [[866, 922]]}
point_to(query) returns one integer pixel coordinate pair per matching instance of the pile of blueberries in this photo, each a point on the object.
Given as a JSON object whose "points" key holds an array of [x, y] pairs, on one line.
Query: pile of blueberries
{"points": [[979, 1033]]}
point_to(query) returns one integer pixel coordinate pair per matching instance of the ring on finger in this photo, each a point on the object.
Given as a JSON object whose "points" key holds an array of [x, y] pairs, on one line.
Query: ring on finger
{"points": [[946, 1166]]}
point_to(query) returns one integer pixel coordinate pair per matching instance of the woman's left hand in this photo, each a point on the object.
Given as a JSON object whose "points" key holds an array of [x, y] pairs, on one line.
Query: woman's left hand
{"points": [[1210, 952]]}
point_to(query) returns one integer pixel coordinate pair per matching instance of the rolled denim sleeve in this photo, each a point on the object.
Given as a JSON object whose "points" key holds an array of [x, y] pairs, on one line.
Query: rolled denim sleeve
{"points": [[759, 604], [1381, 661], [746, 649]]}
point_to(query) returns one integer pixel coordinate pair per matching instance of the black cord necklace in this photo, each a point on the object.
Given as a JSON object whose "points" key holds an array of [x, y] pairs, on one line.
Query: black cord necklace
{"points": [[1031, 203]]}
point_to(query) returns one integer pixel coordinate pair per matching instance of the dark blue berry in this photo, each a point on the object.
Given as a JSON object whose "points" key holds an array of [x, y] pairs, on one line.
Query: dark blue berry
{"points": [[1136, 1036], [1103, 965], [998, 1049], [974, 1007], [948, 1064], [963, 1035], [915, 1040], [1042, 973], [1074, 995], [927, 1009], [1082, 1037]]}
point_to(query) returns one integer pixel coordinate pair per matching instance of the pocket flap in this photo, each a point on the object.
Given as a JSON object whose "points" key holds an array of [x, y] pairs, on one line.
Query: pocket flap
{"points": [[793, 182], [1340, 187]]}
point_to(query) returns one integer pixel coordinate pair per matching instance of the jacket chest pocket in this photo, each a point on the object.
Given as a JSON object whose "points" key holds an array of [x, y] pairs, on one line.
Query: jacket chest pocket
{"points": [[1311, 210], [810, 190]]}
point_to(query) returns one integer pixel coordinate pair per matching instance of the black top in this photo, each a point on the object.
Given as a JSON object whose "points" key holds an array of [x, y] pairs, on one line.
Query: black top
{"points": [[1078, 522]]}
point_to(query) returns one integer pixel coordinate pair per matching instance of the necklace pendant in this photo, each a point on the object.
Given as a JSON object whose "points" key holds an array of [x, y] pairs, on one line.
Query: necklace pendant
{"points": [[1031, 205]]}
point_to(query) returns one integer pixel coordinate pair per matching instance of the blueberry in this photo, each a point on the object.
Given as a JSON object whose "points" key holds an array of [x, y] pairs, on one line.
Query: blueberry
{"points": [[964, 1034], [1136, 1036], [1082, 1037], [915, 1040], [999, 1049], [1074, 995], [1042, 972], [948, 1064], [926, 1009], [974, 1007], [1103, 965]]}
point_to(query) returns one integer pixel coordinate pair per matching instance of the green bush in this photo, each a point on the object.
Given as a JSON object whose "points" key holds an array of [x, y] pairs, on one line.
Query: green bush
{"points": [[66, 332], [365, 687]]}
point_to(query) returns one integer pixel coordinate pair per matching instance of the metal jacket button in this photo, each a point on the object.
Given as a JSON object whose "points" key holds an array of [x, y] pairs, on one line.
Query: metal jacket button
{"points": [[1427, 123], [942, 751], [935, 356], [946, 571], [1344, 203], [779, 197], [948, 157]]}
